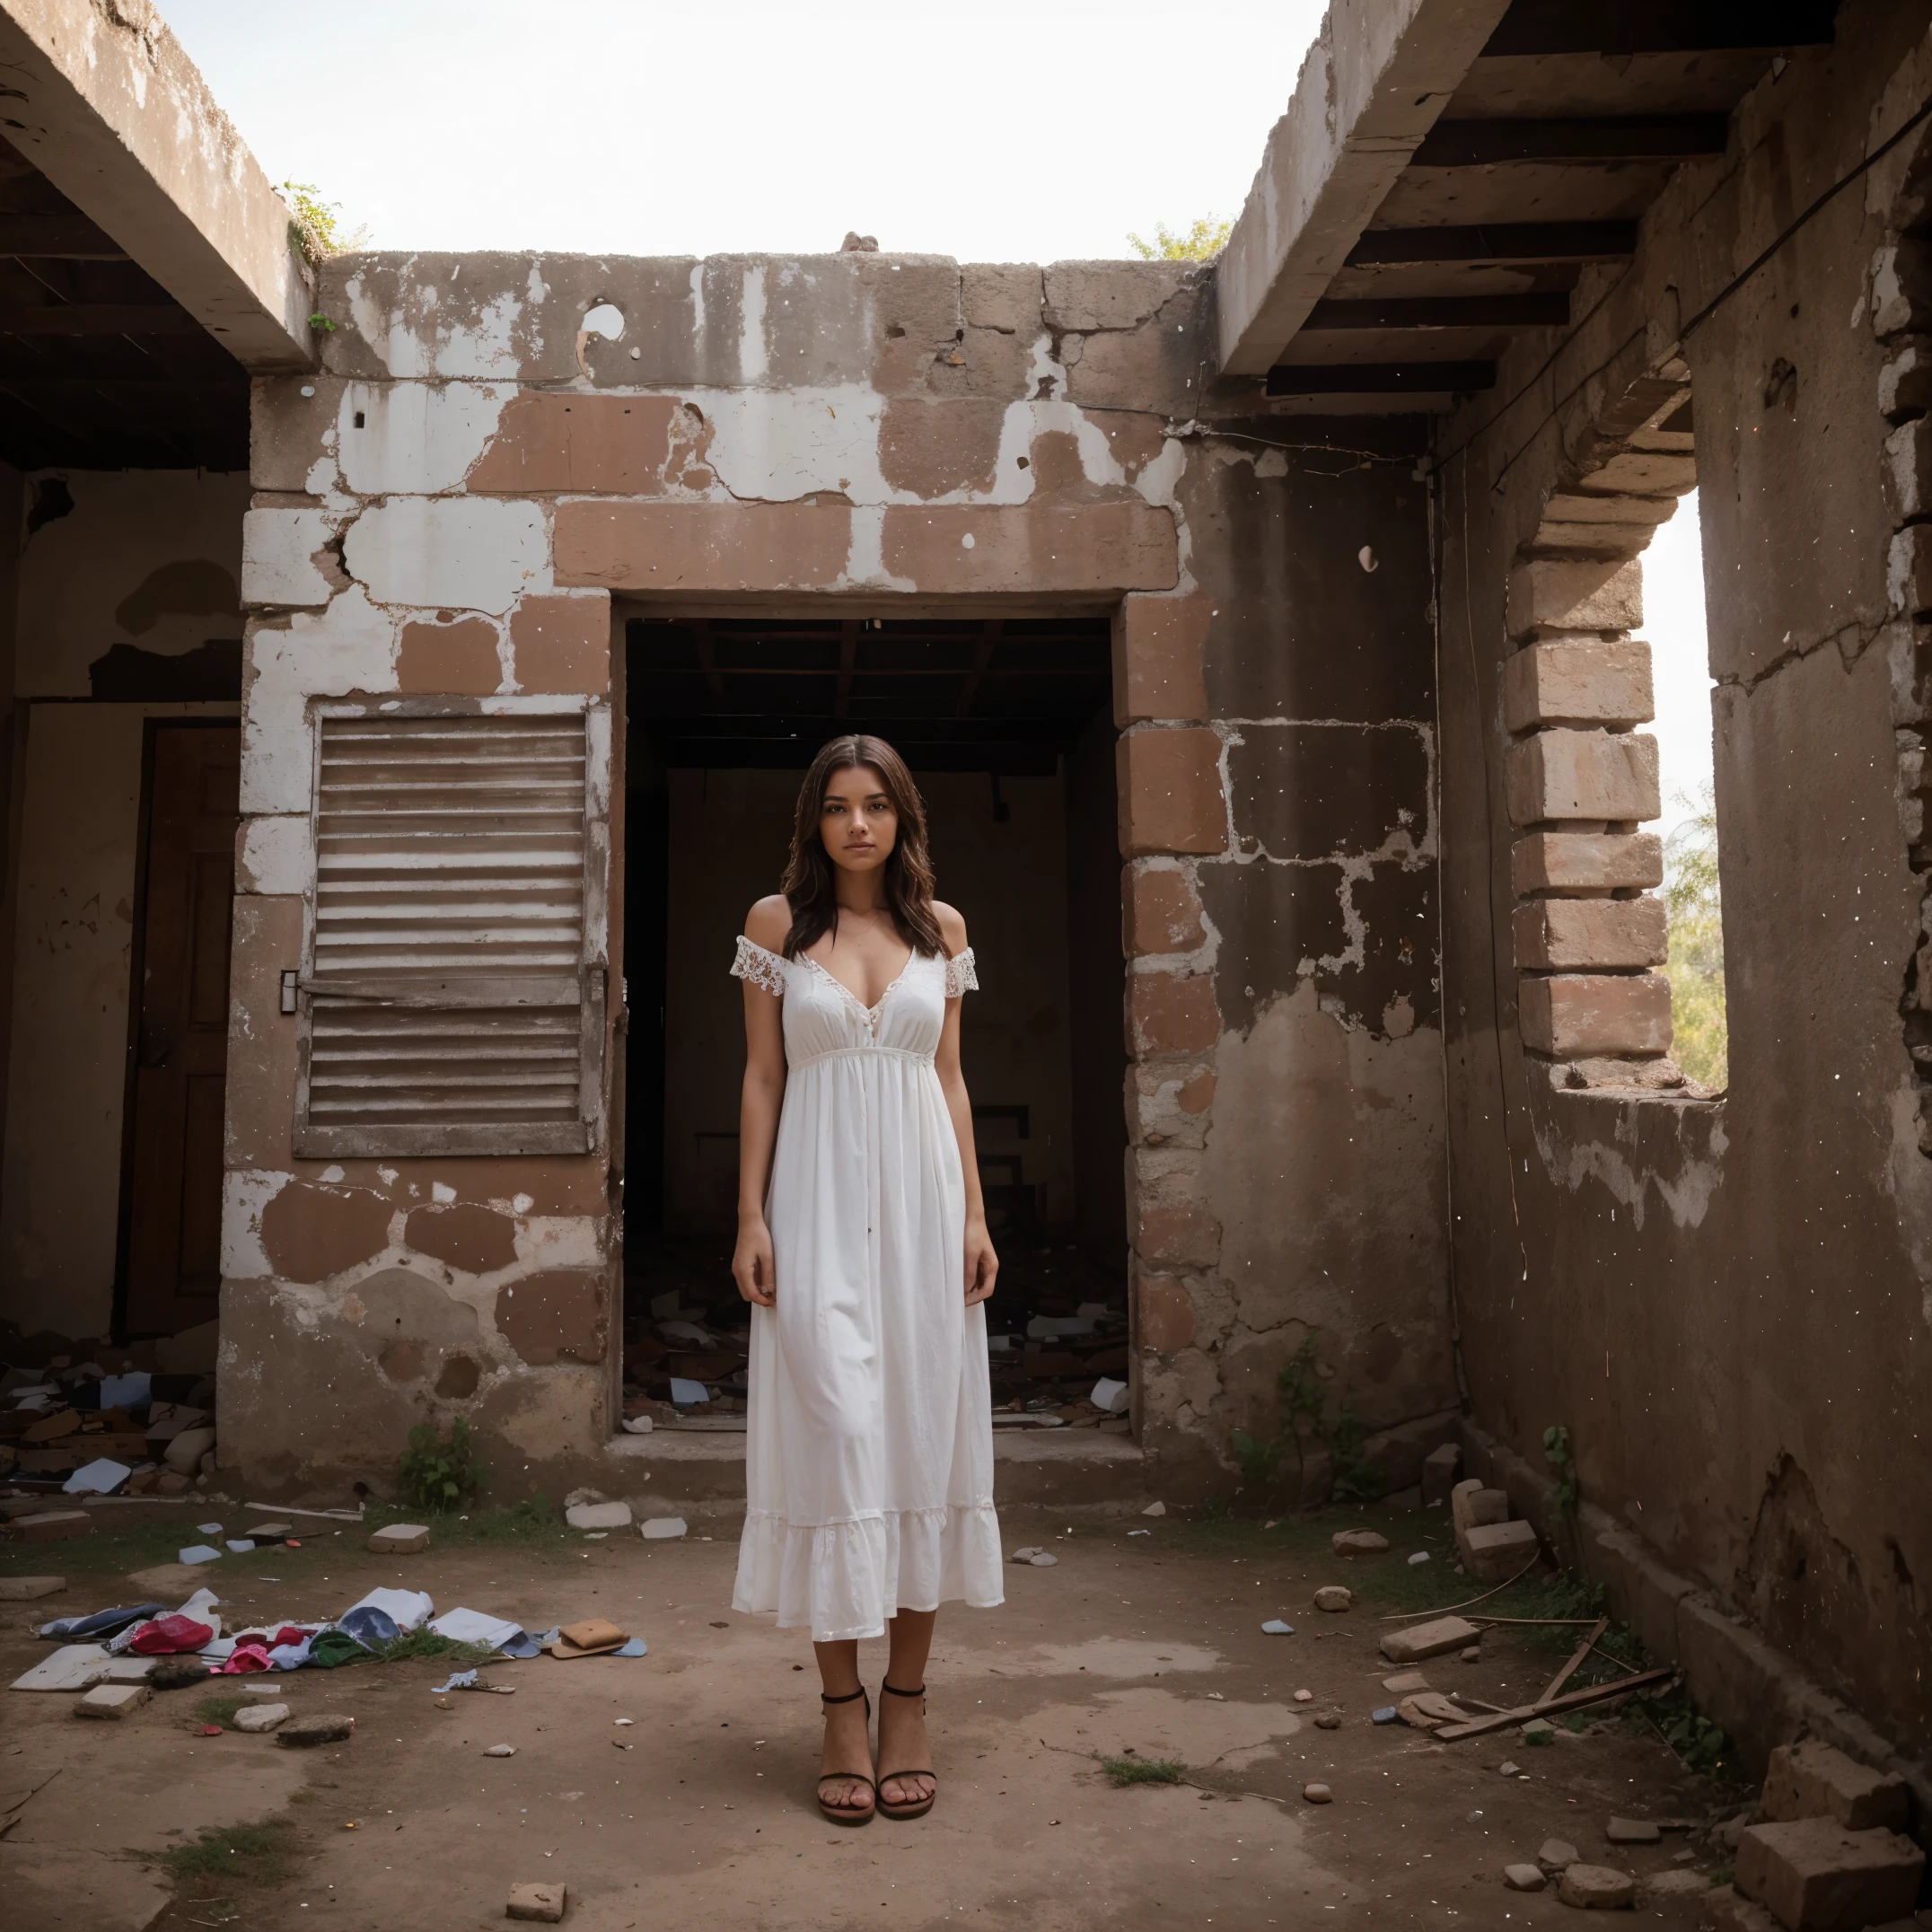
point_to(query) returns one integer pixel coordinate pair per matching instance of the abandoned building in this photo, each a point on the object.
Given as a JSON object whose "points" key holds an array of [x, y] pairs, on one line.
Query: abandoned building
{"points": [[412, 658]]}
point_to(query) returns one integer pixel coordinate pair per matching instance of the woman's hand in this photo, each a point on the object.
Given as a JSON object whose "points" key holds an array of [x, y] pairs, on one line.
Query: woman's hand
{"points": [[982, 1265], [751, 1265]]}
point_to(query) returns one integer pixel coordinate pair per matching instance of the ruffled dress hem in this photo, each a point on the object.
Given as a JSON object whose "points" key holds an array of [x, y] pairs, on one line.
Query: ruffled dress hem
{"points": [[847, 1579]]}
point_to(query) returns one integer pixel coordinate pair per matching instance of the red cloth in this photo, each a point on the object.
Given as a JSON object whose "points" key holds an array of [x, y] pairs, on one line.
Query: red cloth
{"points": [[246, 1657], [168, 1636]]}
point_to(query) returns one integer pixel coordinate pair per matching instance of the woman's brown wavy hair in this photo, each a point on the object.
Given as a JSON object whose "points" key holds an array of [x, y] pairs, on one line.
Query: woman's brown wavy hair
{"points": [[809, 875]]}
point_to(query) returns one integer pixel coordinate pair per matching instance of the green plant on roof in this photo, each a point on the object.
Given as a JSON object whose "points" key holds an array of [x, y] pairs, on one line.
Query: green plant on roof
{"points": [[316, 230], [1201, 242]]}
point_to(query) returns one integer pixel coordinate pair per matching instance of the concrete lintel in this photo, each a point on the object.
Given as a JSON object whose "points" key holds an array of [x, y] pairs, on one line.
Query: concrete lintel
{"points": [[108, 106], [1373, 84]]}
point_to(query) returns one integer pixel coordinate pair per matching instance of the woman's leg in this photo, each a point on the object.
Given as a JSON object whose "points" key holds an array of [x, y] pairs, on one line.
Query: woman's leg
{"points": [[902, 1719], [847, 1744]]}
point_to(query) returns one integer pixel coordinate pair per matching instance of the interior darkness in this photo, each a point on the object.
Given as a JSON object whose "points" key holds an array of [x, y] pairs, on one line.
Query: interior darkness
{"points": [[1006, 722], [100, 367]]}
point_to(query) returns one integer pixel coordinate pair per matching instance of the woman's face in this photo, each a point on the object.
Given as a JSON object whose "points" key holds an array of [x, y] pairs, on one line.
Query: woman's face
{"points": [[857, 821]]}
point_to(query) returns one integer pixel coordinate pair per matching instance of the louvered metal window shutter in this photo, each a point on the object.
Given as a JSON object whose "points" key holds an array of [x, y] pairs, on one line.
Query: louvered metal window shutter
{"points": [[453, 1001]]}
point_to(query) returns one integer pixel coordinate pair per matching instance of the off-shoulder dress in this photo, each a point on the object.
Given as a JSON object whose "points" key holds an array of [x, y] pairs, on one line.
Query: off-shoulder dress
{"points": [[869, 1446]]}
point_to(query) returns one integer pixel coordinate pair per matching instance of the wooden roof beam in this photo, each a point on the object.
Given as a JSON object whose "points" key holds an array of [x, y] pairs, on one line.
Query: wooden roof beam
{"points": [[1442, 312], [1379, 74], [1610, 137], [56, 238], [1536, 26], [1380, 379], [1531, 241]]}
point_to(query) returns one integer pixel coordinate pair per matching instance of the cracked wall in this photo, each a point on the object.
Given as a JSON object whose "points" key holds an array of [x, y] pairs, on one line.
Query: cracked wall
{"points": [[1723, 1300], [490, 471]]}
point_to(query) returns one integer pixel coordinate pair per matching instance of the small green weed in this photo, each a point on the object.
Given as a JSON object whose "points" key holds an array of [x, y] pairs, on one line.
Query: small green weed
{"points": [[1305, 1412], [1122, 1772], [256, 1854], [221, 1709], [1700, 1744], [438, 1475], [322, 325]]}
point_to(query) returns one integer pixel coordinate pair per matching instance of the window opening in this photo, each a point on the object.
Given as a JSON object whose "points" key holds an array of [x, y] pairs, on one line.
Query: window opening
{"points": [[1680, 662]]}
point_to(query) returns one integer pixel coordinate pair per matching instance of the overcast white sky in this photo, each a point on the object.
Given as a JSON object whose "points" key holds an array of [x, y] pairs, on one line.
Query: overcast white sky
{"points": [[1014, 130], [1018, 130]]}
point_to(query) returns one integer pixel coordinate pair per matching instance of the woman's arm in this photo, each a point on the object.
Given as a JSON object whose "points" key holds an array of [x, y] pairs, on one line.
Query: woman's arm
{"points": [[757, 1109], [982, 1265]]}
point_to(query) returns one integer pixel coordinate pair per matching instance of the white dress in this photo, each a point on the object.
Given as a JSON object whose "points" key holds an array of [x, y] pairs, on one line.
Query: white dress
{"points": [[869, 1446]]}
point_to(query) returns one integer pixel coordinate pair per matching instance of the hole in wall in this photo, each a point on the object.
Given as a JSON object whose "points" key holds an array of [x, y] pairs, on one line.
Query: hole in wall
{"points": [[52, 499], [606, 319]]}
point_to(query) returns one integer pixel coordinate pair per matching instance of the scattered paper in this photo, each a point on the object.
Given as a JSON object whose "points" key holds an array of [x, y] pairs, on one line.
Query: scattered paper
{"points": [[1110, 1395], [126, 1391], [239, 1546], [97, 1478], [72, 1667], [684, 1392], [1421, 1555], [197, 1553], [409, 1609], [655, 1528], [209, 1529], [638, 1425], [475, 1626], [1275, 1627]]}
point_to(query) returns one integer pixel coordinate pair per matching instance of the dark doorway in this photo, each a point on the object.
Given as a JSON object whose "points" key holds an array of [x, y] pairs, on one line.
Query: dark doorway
{"points": [[1006, 722], [171, 1194]]}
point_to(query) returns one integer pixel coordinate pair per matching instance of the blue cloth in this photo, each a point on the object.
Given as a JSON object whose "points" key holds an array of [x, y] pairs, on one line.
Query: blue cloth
{"points": [[101, 1623], [369, 1626]]}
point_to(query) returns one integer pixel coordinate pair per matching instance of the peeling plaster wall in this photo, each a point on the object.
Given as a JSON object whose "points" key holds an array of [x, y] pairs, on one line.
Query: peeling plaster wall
{"points": [[471, 488], [1726, 1302], [125, 574], [1287, 1103]]}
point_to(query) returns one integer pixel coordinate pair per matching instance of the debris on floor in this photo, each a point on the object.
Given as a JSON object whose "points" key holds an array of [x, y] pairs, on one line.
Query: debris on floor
{"points": [[543, 1903]]}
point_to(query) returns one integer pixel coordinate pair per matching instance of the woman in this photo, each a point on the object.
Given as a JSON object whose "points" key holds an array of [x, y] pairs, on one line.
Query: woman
{"points": [[862, 1249]]}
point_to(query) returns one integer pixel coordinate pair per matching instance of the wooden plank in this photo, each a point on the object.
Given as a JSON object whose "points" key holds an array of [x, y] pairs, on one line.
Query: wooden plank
{"points": [[101, 319], [1442, 312], [1380, 379], [56, 238], [1555, 1686], [1574, 1700], [1614, 27], [1486, 144], [1551, 242]]}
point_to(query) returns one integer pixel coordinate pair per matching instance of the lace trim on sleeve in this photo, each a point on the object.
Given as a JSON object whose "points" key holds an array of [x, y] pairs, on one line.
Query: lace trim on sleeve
{"points": [[763, 970], [961, 978]]}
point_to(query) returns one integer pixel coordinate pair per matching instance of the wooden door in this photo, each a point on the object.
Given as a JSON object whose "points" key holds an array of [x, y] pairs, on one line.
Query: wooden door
{"points": [[181, 1039]]}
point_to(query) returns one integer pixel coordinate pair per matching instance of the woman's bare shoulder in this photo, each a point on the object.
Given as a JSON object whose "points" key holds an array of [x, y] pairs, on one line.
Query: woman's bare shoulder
{"points": [[769, 921], [951, 928]]}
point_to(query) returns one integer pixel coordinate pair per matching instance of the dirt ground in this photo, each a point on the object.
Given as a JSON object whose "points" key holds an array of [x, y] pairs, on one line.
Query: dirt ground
{"points": [[701, 1804]]}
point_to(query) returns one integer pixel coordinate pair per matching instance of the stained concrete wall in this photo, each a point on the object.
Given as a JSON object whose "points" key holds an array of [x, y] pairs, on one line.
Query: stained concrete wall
{"points": [[730, 831], [456, 503], [1726, 1301]]}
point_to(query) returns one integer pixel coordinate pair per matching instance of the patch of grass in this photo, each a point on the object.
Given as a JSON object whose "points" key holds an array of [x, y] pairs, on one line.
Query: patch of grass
{"points": [[255, 1854], [534, 1524], [1123, 1771], [220, 1707], [428, 1643]]}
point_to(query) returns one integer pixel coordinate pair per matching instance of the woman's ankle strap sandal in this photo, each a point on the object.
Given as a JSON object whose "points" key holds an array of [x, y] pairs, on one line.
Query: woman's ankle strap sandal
{"points": [[918, 1807], [847, 1814]]}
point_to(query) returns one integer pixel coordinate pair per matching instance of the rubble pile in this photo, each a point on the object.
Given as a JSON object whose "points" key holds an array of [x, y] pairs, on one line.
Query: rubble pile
{"points": [[1057, 1338], [93, 1420]]}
